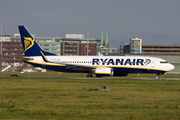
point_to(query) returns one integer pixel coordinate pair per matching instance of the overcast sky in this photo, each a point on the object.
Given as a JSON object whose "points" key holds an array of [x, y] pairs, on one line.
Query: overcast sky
{"points": [[155, 21]]}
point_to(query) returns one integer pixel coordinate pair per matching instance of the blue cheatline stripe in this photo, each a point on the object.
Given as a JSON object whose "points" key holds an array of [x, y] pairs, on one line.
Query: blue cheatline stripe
{"points": [[129, 67]]}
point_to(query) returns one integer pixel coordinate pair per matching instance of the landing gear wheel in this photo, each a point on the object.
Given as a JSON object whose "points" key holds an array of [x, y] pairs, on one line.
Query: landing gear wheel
{"points": [[157, 76], [89, 75]]}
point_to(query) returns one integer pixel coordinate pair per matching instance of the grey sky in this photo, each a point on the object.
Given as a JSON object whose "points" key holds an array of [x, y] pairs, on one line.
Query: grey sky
{"points": [[155, 21]]}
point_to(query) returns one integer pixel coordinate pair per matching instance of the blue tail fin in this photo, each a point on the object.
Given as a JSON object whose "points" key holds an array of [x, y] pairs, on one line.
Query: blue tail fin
{"points": [[30, 46]]}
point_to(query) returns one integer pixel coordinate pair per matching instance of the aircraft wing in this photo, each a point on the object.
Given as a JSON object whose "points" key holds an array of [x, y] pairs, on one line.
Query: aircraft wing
{"points": [[69, 65], [76, 66]]}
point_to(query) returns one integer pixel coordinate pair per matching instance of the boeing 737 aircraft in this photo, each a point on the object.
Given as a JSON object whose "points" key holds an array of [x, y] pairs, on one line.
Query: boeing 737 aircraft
{"points": [[98, 65]]}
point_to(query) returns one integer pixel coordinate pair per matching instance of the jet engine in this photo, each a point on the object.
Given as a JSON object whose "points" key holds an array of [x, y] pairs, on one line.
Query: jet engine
{"points": [[102, 71]]}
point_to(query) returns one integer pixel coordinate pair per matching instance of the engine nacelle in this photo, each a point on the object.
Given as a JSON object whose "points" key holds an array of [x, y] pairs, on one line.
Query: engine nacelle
{"points": [[101, 71]]}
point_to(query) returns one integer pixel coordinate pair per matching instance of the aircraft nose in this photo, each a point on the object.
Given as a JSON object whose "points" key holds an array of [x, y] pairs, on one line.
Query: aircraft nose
{"points": [[171, 67]]}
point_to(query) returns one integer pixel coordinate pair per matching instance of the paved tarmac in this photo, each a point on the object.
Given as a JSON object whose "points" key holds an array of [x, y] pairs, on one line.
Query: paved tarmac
{"points": [[120, 78]]}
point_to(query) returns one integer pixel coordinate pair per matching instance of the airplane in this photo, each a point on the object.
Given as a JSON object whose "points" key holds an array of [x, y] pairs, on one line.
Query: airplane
{"points": [[98, 65]]}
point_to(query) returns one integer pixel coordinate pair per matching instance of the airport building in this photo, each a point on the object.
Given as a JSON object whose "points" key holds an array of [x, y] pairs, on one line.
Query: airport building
{"points": [[11, 46], [161, 49], [10, 49], [106, 51], [74, 45], [136, 47], [49, 44]]}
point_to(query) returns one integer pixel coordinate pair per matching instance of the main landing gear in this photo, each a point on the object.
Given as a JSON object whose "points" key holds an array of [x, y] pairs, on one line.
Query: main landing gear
{"points": [[89, 74]]}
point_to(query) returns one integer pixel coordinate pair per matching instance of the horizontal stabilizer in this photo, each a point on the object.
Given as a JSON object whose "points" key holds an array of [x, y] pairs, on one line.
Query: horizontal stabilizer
{"points": [[27, 59]]}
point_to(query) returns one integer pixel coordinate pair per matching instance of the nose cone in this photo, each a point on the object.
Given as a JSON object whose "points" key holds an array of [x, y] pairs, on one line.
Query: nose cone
{"points": [[170, 67]]}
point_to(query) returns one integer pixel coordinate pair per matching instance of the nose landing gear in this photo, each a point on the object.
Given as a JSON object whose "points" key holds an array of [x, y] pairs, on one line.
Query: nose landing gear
{"points": [[157, 76]]}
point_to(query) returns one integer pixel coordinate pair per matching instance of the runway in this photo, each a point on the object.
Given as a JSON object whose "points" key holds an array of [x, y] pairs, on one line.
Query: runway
{"points": [[118, 78]]}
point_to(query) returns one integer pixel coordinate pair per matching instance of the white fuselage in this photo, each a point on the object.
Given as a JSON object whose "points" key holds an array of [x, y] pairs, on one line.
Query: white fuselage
{"points": [[118, 63]]}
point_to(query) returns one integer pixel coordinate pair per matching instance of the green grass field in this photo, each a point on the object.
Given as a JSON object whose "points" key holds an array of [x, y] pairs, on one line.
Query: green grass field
{"points": [[60, 74], [69, 99]]}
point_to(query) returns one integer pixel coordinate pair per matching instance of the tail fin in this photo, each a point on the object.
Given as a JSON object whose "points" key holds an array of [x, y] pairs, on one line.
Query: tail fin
{"points": [[30, 46]]}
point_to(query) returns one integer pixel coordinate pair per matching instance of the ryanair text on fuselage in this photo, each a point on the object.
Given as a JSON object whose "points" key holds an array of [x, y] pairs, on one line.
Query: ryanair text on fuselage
{"points": [[100, 61]]}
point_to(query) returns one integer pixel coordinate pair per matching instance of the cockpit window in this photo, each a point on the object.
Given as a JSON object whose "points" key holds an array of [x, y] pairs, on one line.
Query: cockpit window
{"points": [[163, 62]]}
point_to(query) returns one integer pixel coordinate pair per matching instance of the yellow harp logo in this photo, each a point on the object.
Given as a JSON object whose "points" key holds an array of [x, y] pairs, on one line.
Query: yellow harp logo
{"points": [[28, 43]]}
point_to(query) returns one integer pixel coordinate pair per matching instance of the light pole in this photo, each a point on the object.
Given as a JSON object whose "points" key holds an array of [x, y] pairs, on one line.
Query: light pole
{"points": [[87, 38], [1, 36]]}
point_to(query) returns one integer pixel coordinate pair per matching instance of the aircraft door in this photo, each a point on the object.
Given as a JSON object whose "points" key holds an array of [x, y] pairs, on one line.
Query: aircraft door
{"points": [[153, 64]]}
